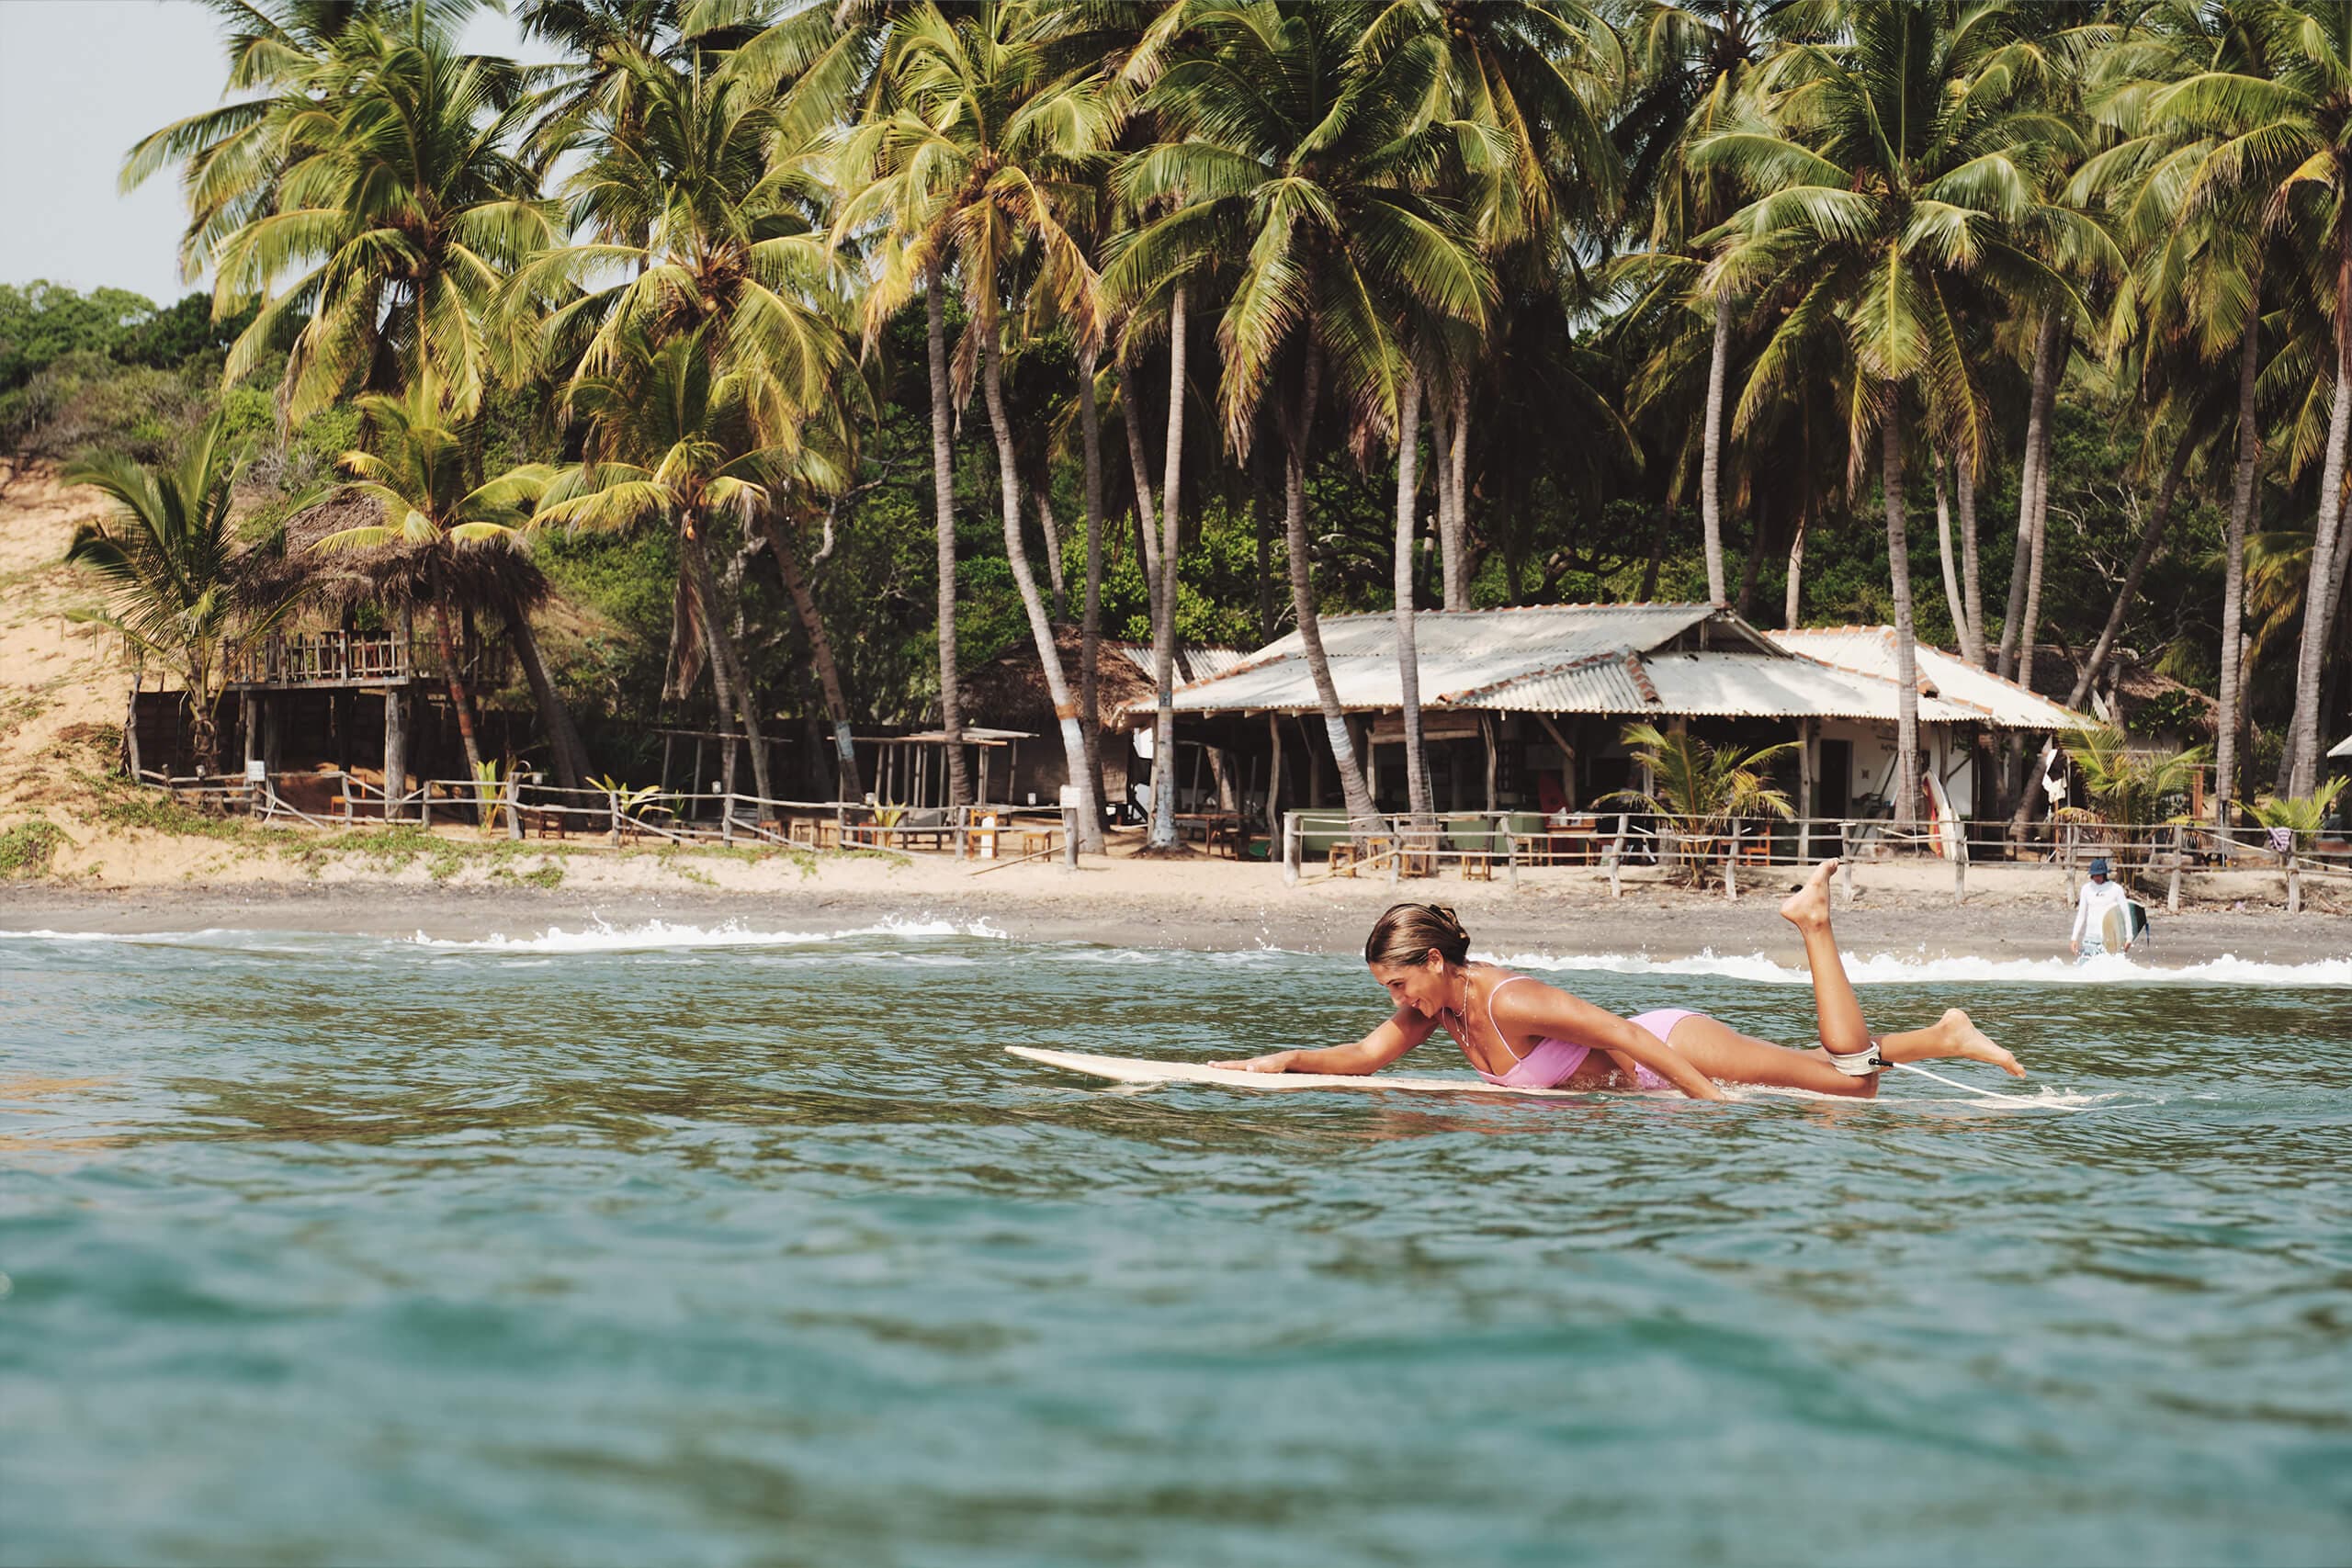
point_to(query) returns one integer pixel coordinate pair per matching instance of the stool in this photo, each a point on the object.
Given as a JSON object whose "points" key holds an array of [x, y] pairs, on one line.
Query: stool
{"points": [[1477, 866]]}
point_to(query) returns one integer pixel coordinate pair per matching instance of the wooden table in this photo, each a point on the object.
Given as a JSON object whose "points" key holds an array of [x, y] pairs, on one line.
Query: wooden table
{"points": [[1225, 830]]}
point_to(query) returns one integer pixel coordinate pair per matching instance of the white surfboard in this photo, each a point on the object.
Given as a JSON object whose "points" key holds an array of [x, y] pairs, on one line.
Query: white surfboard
{"points": [[1137, 1070]]}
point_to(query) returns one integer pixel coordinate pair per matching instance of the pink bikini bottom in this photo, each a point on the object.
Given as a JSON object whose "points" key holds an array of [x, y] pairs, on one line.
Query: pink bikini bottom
{"points": [[1555, 1061]]}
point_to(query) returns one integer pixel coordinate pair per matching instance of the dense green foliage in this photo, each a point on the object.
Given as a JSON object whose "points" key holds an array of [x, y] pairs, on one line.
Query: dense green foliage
{"points": [[1529, 209]]}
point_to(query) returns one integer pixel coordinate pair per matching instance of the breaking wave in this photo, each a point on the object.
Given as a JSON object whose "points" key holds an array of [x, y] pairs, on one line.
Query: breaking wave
{"points": [[658, 934], [1895, 968]]}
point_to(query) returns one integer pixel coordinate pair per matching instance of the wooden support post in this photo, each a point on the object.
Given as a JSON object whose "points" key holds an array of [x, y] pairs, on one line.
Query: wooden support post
{"points": [[1069, 838], [1730, 863], [1959, 870], [1274, 771], [2180, 853], [514, 808], [1616, 856], [395, 748], [1510, 841], [727, 817], [1808, 737], [612, 807], [1290, 849], [1845, 861], [2294, 884], [131, 732], [1486, 733]]}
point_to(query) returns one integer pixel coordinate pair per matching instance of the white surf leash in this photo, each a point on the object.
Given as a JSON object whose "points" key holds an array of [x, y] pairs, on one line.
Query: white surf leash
{"points": [[1862, 1063], [1967, 1089]]}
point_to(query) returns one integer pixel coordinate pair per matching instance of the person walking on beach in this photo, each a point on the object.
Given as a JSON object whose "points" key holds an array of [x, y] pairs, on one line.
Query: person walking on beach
{"points": [[1522, 1034], [2098, 897]]}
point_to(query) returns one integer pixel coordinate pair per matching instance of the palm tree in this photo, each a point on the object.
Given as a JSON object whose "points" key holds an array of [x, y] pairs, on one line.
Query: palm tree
{"points": [[1701, 788], [672, 436], [1906, 170], [168, 557], [984, 156], [376, 250], [1282, 133], [2287, 137], [2197, 283], [1693, 62], [232, 157], [417, 467]]}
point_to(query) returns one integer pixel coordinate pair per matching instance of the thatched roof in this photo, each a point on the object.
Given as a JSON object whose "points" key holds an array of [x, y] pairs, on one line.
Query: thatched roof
{"points": [[1009, 689], [481, 577]]}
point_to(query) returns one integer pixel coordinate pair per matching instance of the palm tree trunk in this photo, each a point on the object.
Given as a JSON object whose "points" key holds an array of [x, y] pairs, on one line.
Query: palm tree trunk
{"points": [[2046, 350], [1052, 529], [1906, 654], [1089, 638], [1089, 818], [2150, 537], [1262, 520], [1361, 810], [728, 678], [1146, 519], [1943, 556], [564, 750], [1972, 628], [1441, 480], [1457, 524], [461, 701], [1792, 600], [943, 486], [847, 786], [1408, 663], [2319, 592], [2028, 629], [2227, 720], [1711, 447], [1163, 620]]}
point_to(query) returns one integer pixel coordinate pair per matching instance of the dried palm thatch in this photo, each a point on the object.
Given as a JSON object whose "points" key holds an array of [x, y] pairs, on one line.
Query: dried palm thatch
{"points": [[1009, 690], [487, 578]]}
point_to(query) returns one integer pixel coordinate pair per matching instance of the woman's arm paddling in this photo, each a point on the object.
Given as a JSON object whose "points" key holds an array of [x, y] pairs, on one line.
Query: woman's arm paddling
{"points": [[1369, 1055]]}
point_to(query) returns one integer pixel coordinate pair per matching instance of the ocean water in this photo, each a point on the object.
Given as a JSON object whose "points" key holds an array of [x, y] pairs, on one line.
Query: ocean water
{"points": [[685, 1247]]}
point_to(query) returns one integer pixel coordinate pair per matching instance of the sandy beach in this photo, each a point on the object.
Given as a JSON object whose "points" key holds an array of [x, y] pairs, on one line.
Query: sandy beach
{"points": [[469, 891]]}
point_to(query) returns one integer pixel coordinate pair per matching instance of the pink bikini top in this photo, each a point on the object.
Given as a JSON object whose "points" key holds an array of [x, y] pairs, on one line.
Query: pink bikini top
{"points": [[1555, 1061], [1550, 1062]]}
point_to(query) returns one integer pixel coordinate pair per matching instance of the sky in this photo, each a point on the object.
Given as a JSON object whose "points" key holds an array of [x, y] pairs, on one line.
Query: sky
{"points": [[80, 80]]}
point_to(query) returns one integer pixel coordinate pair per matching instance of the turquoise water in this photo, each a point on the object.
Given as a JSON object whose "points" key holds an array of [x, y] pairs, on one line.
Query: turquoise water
{"points": [[579, 1252]]}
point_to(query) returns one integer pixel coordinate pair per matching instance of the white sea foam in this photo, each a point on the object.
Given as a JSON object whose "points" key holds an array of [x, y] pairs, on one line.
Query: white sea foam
{"points": [[1897, 968], [659, 935]]}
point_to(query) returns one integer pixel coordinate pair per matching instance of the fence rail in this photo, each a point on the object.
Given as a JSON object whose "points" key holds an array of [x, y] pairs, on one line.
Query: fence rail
{"points": [[1478, 844]]}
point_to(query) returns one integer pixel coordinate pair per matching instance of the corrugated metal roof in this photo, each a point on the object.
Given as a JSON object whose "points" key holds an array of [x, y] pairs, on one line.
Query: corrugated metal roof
{"points": [[1459, 651], [1603, 658], [1194, 661], [1981, 694]]}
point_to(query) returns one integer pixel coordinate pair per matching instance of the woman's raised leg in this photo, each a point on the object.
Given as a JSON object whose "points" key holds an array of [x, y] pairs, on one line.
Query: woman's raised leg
{"points": [[1834, 1006]]}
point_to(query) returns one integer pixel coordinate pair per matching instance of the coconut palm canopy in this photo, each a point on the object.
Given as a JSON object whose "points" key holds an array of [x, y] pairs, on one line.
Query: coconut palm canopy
{"points": [[1888, 261]]}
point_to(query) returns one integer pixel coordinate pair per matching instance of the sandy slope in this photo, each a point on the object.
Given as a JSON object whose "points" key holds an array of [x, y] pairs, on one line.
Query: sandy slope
{"points": [[62, 687]]}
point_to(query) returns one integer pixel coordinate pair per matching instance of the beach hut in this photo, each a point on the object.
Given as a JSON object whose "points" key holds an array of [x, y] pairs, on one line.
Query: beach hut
{"points": [[356, 677], [1524, 708]]}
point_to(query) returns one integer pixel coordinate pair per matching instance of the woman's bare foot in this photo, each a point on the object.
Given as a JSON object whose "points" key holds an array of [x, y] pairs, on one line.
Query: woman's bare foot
{"points": [[1809, 904], [1954, 1035]]}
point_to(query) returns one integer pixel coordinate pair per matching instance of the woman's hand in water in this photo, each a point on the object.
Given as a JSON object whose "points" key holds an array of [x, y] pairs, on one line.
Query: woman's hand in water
{"points": [[1275, 1062]]}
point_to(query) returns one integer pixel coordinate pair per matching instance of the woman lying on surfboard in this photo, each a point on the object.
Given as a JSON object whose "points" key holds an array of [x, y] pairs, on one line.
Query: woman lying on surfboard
{"points": [[1520, 1034]]}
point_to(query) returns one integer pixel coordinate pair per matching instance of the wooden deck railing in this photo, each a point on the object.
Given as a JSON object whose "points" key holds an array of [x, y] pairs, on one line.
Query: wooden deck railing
{"points": [[350, 658]]}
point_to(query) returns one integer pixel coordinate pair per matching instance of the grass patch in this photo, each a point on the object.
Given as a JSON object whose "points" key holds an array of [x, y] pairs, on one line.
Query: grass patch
{"points": [[29, 848], [548, 876], [128, 806]]}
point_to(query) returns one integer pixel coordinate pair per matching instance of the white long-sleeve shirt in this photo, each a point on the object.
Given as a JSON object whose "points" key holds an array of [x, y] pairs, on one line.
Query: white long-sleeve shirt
{"points": [[2091, 907]]}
